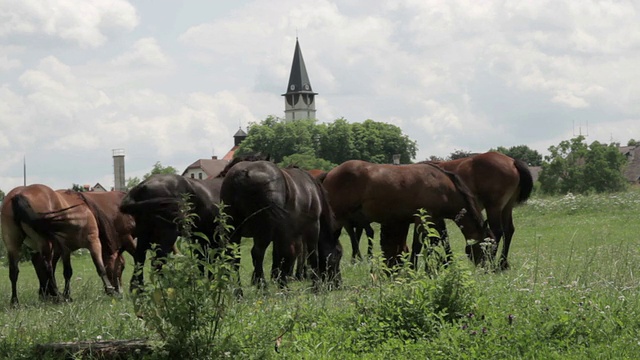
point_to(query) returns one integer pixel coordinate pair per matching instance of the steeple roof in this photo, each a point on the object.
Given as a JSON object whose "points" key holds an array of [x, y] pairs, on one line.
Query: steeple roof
{"points": [[299, 79]]}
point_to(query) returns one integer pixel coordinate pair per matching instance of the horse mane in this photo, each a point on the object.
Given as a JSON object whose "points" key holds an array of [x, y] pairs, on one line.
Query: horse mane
{"points": [[106, 226], [468, 196], [237, 159]]}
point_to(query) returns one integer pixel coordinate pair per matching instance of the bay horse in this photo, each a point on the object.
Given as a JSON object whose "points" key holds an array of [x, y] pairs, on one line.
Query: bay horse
{"points": [[112, 224], [498, 182], [354, 227], [286, 207], [392, 196], [53, 224], [155, 204]]}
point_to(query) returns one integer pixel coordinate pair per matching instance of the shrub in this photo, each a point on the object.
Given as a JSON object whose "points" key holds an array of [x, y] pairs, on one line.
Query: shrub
{"points": [[184, 307]]}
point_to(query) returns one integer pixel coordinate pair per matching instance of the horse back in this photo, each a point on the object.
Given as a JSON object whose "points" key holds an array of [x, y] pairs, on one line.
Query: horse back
{"points": [[492, 177], [384, 192]]}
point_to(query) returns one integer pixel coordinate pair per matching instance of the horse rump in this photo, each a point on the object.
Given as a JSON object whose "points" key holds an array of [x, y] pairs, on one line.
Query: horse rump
{"points": [[47, 224]]}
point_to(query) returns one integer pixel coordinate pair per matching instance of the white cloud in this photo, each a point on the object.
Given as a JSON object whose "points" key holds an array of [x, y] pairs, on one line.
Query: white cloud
{"points": [[83, 22], [144, 53], [456, 74]]}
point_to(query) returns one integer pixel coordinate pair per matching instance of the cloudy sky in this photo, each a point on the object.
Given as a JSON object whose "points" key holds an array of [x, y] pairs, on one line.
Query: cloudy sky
{"points": [[171, 81]]}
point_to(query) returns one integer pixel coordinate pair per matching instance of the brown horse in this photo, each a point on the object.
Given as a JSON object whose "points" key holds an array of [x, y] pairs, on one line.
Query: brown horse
{"points": [[112, 224], [498, 182], [355, 227], [54, 224], [286, 207], [393, 194]]}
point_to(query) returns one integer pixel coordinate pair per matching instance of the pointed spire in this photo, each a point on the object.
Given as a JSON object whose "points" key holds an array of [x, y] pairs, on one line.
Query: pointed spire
{"points": [[299, 79]]}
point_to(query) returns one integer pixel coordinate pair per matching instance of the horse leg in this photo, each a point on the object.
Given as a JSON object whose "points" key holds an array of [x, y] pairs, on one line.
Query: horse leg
{"points": [[416, 246], [41, 272], [14, 270], [441, 227], [509, 230], [301, 261], [284, 257], [354, 236], [137, 279], [260, 245], [67, 271], [393, 241], [369, 231], [48, 271], [112, 267], [95, 249], [496, 224]]}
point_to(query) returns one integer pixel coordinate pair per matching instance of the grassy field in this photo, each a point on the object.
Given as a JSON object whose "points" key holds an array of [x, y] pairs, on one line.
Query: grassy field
{"points": [[571, 293]]}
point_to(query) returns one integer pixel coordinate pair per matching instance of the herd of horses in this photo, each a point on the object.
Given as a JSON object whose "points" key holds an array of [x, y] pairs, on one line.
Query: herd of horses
{"points": [[301, 213]]}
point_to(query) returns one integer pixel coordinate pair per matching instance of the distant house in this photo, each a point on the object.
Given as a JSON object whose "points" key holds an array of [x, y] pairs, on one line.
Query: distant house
{"points": [[205, 168], [98, 187], [632, 171], [209, 168]]}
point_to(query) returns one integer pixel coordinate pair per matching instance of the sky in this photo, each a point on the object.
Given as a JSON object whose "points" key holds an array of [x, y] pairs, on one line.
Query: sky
{"points": [[172, 81]]}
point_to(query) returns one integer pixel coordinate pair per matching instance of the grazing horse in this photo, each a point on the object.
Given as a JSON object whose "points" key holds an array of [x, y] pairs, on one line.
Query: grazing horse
{"points": [[155, 204], [498, 182], [393, 194], [112, 223], [53, 224], [286, 207], [355, 227]]}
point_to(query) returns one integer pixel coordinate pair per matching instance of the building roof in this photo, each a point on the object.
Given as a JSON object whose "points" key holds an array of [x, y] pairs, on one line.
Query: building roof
{"points": [[229, 155], [211, 167], [98, 187], [240, 133], [298, 79]]}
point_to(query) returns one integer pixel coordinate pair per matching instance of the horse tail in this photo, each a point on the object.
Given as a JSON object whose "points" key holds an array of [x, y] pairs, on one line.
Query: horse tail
{"points": [[47, 224], [163, 208], [328, 242], [106, 226], [526, 181]]}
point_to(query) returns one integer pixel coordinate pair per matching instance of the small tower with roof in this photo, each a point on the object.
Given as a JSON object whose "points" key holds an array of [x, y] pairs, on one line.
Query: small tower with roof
{"points": [[299, 99], [239, 137]]}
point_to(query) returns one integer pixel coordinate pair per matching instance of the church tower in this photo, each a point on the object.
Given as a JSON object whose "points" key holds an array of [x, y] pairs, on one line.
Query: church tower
{"points": [[300, 99]]}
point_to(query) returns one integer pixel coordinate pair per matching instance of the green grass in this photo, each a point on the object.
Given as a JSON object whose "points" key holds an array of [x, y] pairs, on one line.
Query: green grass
{"points": [[572, 293]]}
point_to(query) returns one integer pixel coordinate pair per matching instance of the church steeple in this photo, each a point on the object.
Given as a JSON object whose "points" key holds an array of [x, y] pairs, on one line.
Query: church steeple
{"points": [[299, 99]]}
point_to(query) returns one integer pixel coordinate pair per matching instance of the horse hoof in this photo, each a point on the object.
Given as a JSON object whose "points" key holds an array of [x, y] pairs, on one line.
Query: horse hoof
{"points": [[110, 290]]}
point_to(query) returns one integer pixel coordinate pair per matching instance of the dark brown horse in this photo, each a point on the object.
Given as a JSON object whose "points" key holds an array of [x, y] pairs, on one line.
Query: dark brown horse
{"points": [[156, 204], [354, 228], [54, 224], [498, 182], [286, 207], [393, 194]]}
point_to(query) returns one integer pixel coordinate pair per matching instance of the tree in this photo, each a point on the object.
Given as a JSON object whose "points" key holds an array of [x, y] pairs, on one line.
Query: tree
{"points": [[633, 142], [574, 166], [522, 152], [2, 195], [307, 162], [77, 187], [159, 169], [459, 154], [133, 182], [336, 142]]}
